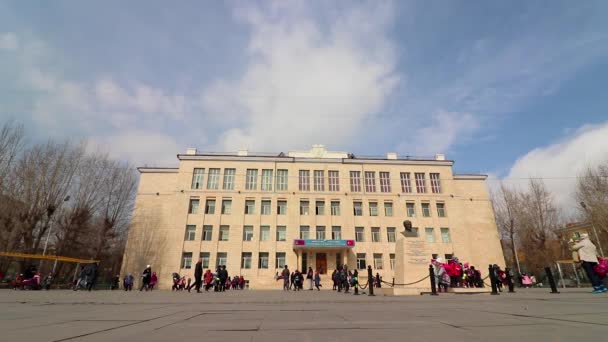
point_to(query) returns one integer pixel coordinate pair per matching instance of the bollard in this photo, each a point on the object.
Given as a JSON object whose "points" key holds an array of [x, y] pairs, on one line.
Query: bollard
{"points": [[493, 280], [509, 280], [370, 279], [432, 276], [551, 280]]}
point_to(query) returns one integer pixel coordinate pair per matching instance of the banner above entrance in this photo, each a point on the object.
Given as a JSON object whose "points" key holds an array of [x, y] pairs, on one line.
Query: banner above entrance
{"points": [[323, 243]]}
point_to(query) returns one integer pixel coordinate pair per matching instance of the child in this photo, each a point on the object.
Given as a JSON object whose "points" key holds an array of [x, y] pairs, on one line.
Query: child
{"points": [[317, 280]]}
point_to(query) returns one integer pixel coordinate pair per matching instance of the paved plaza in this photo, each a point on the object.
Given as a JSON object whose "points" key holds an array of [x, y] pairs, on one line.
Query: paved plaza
{"points": [[528, 315]]}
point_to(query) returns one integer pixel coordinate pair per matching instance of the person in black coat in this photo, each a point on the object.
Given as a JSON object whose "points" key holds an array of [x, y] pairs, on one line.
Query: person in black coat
{"points": [[223, 275], [198, 276], [146, 277], [92, 278]]}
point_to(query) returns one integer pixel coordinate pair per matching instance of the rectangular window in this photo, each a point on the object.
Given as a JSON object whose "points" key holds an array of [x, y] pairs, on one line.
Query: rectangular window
{"points": [[207, 233], [248, 233], [406, 182], [263, 260], [336, 233], [359, 234], [221, 259], [392, 260], [229, 179], [249, 207], [246, 260], [420, 183], [193, 207], [190, 233], [281, 207], [388, 208], [226, 207], [197, 178], [375, 234], [265, 209], [320, 232], [448, 257], [385, 182], [378, 261], [205, 256], [390, 234], [280, 260], [334, 180], [224, 233], [187, 260], [411, 209], [370, 181], [210, 207], [267, 180], [355, 181], [213, 179], [435, 183], [445, 235], [264, 233], [357, 209], [319, 180], [251, 179], [335, 208], [281, 180], [361, 261], [304, 232], [304, 208], [304, 180], [430, 234], [441, 210], [281, 233], [373, 208], [426, 209], [320, 207]]}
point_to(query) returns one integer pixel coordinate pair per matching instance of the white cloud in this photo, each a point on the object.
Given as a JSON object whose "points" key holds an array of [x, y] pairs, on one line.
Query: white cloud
{"points": [[140, 147], [8, 41]]}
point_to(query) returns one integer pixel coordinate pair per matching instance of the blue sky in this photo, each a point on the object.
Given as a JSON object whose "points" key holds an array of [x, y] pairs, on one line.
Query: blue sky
{"points": [[514, 89]]}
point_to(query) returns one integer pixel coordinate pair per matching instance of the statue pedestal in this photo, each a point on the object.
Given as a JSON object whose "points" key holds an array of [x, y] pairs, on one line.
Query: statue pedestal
{"points": [[412, 260]]}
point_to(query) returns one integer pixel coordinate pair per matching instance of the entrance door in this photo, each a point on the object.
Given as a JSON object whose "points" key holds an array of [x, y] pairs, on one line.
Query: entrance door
{"points": [[321, 263]]}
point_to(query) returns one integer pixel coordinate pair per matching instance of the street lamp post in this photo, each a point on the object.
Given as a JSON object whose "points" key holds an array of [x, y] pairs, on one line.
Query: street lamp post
{"points": [[597, 238]]}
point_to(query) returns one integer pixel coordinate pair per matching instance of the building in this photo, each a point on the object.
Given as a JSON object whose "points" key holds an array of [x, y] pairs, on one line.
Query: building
{"points": [[257, 212]]}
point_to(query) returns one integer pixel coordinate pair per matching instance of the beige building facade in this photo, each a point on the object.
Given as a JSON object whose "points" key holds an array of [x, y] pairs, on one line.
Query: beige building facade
{"points": [[256, 213]]}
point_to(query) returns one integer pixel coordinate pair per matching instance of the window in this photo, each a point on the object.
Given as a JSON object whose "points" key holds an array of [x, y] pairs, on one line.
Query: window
{"points": [[190, 233], [357, 209], [263, 260], [336, 233], [249, 207], [304, 232], [420, 183], [430, 234], [378, 261], [361, 261], [390, 234], [251, 179], [224, 233], [355, 181], [445, 235], [281, 233], [370, 181], [435, 183], [205, 256], [411, 209], [248, 233], [187, 260], [441, 210], [320, 207], [281, 207], [426, 209], [280, 260], [373, 209], [388, 208], [335, 208], [210, 207], [265, 210], [304, 210], [375, 234], [319, 180], [281, 180], [334, 180], [320, 232], [207, 233], [448, 257], [267, 180], [392, 260], [304, 180], [385, 182], [264, 233], [226, 207], [359, 234], [197, 178], [229, 179], [193, 207], [406, 182], [213, 179], [221, 259], [246, 260]]}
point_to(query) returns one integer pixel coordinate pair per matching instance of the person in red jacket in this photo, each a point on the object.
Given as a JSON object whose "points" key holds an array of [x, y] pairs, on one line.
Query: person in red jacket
{"points": [[208, 279]]}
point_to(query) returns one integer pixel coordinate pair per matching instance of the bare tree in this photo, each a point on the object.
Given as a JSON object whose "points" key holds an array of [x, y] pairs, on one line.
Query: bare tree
{"points": [[508, 209], [592, 190]]}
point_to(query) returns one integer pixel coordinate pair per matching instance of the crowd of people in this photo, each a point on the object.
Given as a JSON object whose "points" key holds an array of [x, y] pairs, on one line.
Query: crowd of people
{"points": [[455, 274], [296, 280]]}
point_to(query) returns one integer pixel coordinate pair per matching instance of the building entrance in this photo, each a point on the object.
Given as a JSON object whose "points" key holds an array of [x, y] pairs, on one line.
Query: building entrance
{"points": [[321, 263]]}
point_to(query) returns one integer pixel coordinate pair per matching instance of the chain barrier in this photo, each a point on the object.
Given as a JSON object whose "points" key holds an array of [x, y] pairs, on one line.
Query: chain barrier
{"points": [[363, 287], [416, 282]]}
